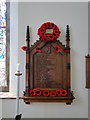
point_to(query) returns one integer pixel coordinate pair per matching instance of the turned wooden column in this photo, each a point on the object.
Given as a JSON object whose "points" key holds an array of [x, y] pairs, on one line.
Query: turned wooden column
{"points": [[27, 62], [68, 57]]}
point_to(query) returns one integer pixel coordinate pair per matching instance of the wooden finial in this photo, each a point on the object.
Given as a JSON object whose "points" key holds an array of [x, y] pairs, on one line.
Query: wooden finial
{"points": [[67, 37], [27, 34], [28, 38]]}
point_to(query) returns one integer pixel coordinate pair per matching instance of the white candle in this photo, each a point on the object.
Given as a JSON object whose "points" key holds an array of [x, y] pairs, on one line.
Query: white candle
{"points": [[18, 67], [18, 74]]}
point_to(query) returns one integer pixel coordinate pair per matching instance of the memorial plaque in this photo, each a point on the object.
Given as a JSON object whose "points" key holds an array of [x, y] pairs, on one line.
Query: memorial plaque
{"points": [[48, 68], [47, 73]]}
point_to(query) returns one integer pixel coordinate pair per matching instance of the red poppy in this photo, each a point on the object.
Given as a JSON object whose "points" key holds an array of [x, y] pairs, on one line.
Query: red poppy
{"points": [[56, 31], [38, 92], [55, 35], [44, 25], [59, 92], [38, 50], [32, 92], [51, 37], [41, 31], [49, 25], [41, 34], [45, 39], [55, 27], [52, 93], [57, 49], [64, 93], [24, 48], [46, 93]]}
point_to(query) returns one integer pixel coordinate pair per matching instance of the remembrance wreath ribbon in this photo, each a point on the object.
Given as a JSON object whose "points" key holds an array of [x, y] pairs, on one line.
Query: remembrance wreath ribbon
{"points": [[48, 36]]}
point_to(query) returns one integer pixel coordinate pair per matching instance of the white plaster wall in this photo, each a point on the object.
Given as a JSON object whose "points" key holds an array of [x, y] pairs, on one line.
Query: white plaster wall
{"points": [[13, 44], [34, 14], [0, 109]]}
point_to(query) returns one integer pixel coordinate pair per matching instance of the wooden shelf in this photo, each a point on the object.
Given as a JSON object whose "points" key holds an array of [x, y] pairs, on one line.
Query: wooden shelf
{"points": [[67, 100]]}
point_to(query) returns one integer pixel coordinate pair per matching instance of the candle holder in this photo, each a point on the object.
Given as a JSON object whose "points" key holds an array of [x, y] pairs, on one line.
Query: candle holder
{"points": [[18, 74]]}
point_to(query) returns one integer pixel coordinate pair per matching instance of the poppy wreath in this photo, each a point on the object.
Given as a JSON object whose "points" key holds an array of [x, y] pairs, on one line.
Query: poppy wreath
{"points": [[46, 93], [52, 93], [46, 36], [59, 92], [32, 92], [64, 93], [57, 49], [24, 48], [38, 92]]}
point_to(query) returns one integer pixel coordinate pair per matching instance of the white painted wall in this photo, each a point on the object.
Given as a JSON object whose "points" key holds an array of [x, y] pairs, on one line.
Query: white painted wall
{"points": [[0, 109], [34, 14], [13, 44]]}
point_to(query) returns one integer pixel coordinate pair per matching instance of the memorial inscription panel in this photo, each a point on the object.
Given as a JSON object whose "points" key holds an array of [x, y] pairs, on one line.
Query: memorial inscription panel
{"points": [[47, 73]]}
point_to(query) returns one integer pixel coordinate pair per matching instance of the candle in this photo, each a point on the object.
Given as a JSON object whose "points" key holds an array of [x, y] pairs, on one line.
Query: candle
{"points": [[18, 74], [18, 67]]}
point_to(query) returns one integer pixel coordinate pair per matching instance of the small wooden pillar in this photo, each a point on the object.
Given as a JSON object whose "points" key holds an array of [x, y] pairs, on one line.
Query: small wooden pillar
{"points": [[27, 62], [68, 57]]}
